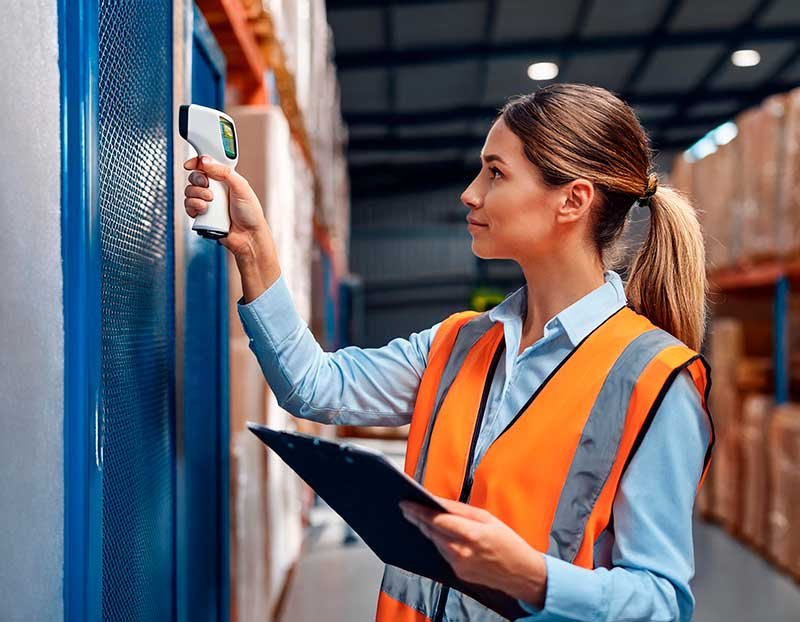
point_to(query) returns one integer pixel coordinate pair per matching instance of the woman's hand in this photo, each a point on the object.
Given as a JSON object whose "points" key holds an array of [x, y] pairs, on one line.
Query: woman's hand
{"points": [[249, 238], [248, 224], [482, 549]]}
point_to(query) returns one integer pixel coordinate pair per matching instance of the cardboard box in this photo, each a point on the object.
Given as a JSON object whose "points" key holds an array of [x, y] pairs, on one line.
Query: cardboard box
{"points": [[715, 193], [284, 524], [788, 178], [759, 139], [251, 594], [268, 497], [726, 344], [784, 503], [756, 417], [246, 384]]}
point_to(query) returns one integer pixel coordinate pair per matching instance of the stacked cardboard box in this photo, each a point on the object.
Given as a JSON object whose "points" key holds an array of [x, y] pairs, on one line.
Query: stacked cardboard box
{"points": [[745, 192], [300, 239], [250, 571], [756, 417], [726, 350], [268, 496], [749, 207], [716, 193], [788, 176], [760, 138], [784, 471]]}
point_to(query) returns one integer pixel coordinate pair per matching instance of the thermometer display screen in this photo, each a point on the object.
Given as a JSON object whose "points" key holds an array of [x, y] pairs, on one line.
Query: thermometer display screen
{"points": [[228, 137]]}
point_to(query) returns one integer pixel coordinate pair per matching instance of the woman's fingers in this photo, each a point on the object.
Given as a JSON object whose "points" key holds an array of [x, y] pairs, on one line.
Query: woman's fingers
{"points": [[198, 178], [195, 207], [198, 192], [418, 510], [220, 172], [445, 524], [464, 509]]}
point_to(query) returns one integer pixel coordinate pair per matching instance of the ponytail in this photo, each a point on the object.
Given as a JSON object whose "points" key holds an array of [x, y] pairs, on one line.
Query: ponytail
{"points": [[667, 279]]}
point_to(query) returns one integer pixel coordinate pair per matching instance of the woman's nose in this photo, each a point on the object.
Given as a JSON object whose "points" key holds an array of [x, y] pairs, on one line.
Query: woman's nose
{"points": [[470, 197]]}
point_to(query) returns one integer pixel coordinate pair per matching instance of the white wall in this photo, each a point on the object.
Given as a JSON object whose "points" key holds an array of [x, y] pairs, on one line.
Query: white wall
{"points": [[31, 316]]}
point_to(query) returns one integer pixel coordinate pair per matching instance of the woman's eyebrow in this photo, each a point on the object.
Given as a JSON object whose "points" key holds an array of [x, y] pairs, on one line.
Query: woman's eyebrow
{"points": [[493, 156]]}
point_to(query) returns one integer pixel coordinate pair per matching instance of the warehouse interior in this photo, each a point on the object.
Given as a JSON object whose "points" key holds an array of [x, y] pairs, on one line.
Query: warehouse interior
{"points": [[133, 488]]}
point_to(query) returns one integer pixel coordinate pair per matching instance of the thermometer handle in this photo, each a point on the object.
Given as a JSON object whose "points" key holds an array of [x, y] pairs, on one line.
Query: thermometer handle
{"points": [[216, 222]]}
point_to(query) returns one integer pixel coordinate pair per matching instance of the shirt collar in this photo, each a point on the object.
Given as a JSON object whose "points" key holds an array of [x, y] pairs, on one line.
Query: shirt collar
{"points": [[577, 320]]}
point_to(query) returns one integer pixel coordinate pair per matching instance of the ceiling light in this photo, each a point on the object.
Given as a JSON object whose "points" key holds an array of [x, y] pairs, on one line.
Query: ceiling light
{"points": [[703, 147], [708, 144], [725, 133], [745, 58], [542, 71]]}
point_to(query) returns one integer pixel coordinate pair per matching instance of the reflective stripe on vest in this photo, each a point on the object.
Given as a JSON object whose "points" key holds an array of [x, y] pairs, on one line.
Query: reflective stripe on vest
{"points": [[599, 443], [552, 474], [468, 335], [407, 590], [418, 593]]}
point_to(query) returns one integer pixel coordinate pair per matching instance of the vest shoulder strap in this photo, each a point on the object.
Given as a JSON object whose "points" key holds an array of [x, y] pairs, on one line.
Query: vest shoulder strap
{"points": [[448, 329]]}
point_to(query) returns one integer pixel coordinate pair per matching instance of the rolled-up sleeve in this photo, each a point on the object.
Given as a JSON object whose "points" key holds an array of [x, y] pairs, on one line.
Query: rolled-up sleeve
{"points": [[653, 551], [351, 386]]}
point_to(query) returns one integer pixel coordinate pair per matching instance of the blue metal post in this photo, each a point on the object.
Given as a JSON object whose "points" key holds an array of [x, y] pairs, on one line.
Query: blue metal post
{"points": [[81, 255], [781, 322]]}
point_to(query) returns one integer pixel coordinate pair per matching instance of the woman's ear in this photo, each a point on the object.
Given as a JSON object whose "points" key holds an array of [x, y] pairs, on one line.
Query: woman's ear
{"points": [[578, 196]]}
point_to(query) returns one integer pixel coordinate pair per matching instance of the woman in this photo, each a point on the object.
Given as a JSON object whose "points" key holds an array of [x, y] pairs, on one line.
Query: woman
{"points": [[565, 430]]}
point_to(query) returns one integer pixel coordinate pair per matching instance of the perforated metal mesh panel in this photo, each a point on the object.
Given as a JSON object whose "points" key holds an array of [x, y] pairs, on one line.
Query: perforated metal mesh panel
{"points": [[135, 93]]}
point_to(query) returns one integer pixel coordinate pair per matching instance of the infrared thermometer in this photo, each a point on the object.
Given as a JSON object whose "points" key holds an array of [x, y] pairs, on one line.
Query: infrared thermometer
{"points": [[211, 133]]}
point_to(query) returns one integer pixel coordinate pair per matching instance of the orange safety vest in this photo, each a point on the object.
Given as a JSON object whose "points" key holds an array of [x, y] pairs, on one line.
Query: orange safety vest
{"points": [[553, 472]]}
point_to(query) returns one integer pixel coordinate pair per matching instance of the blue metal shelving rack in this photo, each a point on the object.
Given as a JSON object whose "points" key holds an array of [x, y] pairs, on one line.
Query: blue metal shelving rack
{"points": [[774, 279]]}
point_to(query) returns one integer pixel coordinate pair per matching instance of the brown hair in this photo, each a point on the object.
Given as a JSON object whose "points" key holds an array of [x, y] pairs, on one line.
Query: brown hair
{"points": [[572, 131]]}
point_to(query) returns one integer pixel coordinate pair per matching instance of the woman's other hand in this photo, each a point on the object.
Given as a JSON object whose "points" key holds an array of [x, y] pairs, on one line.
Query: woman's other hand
{"points": [[482, 549]]}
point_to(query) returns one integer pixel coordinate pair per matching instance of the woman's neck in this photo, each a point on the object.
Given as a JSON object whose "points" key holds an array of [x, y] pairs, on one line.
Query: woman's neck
{"points": [[554, 283]]}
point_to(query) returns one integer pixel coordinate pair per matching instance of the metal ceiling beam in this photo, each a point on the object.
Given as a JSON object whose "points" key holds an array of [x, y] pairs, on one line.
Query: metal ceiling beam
{"points": [[391, 79], [568, 51], [474, 141], [656, 36], [487, 113], [787, 63], [757, 95], [334, 5], [385, 177], [735, 36], [380, 57], [488, 28]]}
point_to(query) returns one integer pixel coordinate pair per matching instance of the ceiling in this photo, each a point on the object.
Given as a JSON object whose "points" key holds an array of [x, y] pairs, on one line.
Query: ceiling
{"points": [[421, 80]]}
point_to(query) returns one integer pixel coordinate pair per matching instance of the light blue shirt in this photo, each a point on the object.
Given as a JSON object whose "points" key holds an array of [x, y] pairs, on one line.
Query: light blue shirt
{"points": [[643, 566]]}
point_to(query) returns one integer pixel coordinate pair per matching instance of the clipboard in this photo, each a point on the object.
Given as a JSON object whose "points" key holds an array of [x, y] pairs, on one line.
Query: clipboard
{"points": [[364, 488]]}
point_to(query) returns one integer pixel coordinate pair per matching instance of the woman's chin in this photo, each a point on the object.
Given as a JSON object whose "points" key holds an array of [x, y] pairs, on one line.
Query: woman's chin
{"points": [[481, 250]]}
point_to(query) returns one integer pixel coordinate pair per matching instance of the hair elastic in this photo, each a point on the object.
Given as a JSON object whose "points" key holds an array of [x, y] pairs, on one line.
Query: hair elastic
{"points": [[650, 190]]}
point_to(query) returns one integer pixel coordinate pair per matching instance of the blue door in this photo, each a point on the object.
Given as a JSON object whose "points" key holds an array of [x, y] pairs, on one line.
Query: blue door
{"points": [[140, 543], [203, 544]]}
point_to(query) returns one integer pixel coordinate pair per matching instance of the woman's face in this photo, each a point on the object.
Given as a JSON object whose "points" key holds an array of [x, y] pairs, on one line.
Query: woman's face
{"points": [[515, 212]]}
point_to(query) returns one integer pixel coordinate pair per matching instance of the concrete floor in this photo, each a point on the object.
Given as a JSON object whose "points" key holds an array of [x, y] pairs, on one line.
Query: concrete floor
{"points": [[339, 582], [733, 583]]}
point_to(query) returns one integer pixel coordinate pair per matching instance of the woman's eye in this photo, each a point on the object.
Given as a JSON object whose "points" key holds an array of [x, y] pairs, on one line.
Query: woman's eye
{"points": [[493, 170]]}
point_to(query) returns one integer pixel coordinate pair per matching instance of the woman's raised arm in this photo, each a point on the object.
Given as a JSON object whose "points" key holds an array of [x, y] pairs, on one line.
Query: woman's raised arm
{"points": [[352, 386]]}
